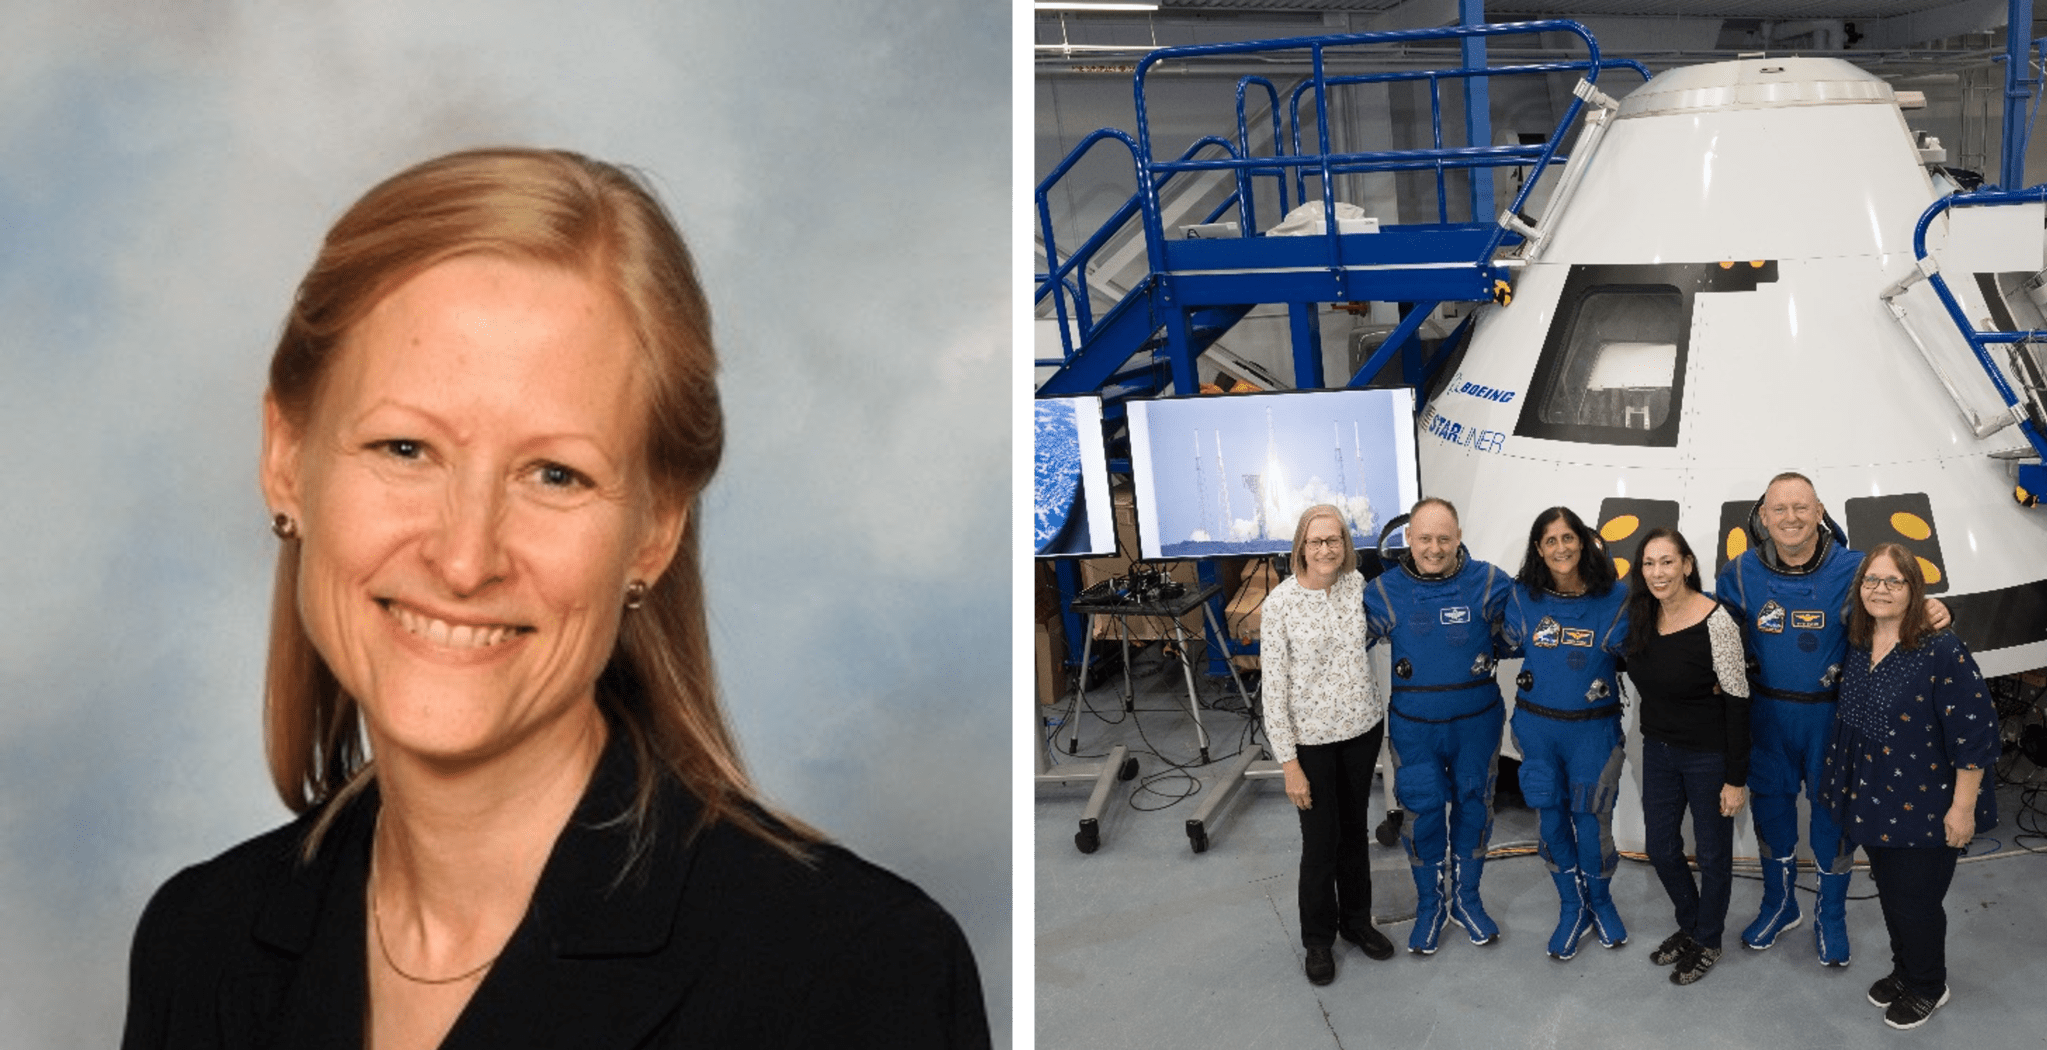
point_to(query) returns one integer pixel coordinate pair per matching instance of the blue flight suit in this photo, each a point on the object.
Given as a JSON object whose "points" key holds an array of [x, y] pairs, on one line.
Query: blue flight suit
{"points": [[1795, 630], [1567, 723], [1443, 729]]}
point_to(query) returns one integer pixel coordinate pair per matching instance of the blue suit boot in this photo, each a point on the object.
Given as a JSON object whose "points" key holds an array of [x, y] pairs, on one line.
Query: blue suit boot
{"points": [[1780, 905], [1466, 909], [1830, 920], [1606, 918], [1429, 912], [1573, 920]]}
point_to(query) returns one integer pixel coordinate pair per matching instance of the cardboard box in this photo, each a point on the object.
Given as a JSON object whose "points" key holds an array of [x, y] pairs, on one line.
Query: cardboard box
{"points": [[1051, 648], [1046, 592], [1124, 506], [1247, 606]]}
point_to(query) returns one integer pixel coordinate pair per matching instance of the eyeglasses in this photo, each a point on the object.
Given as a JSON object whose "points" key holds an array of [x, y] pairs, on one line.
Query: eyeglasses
{"points": [[1881, 583], [1326, 543]]}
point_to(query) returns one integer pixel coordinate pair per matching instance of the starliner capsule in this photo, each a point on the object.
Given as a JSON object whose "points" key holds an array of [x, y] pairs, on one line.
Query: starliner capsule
{"points": [[1723, 289]]}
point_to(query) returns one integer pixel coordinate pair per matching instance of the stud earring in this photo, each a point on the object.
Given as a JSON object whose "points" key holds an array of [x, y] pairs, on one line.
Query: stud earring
{"points": [[283, 525], [635, 594]]}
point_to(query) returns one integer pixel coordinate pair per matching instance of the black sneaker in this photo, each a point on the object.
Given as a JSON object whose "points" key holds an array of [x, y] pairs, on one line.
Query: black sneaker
{"points": [[1694, 963], [1885, 992], [1672, 947], [1371, 940], [1321, 966], [1910, 1010]]}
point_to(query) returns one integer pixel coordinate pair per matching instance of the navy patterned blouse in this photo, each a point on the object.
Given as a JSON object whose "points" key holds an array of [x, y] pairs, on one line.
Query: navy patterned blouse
{"points": [[1901, 729]]}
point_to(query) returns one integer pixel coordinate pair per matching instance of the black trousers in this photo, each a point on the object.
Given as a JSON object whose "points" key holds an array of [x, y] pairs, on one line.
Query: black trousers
{"points": [[1336, 836], [1910, 884]]}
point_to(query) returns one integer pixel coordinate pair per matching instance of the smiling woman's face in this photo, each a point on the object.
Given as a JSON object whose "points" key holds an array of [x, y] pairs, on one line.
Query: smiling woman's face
{"points": [[1560, 548], [1664, 569], [1884, 590], [472, 502]]}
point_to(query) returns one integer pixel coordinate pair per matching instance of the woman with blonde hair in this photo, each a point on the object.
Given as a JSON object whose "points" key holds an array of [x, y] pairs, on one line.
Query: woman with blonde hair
{"points": [[1324, 722], [522, 817]]}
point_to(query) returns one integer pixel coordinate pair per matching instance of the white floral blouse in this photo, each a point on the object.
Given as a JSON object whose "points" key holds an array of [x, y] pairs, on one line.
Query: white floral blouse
{"points": [[1318, 685]]}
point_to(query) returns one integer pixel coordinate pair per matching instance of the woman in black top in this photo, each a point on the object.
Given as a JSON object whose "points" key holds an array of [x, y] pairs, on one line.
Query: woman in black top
{"points": [[490, 413], [1684, 653]]}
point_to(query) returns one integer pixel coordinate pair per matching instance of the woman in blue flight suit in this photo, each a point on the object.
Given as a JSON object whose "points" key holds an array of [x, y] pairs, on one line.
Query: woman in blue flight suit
{"points": [[1571, 624], [1437, 606]]}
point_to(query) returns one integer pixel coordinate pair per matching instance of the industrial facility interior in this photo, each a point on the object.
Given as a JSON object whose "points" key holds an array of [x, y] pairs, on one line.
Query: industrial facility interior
{"points": [[1829, 215]]}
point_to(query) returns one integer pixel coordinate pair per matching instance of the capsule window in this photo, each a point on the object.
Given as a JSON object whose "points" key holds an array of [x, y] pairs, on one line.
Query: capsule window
{"points": [[1612, 367], [1620, 361]]}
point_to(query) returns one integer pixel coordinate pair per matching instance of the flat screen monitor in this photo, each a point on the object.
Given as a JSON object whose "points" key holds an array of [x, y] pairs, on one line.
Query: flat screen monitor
{"points": [[1074, 516], [1230, 474]]}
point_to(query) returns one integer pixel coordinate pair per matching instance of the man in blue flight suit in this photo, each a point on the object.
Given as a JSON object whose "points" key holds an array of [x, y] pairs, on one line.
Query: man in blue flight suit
{"points": [[1438, 607], [1791, 588]]}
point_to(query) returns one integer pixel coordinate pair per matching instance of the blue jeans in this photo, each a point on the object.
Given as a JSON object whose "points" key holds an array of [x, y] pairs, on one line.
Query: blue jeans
{"points": [[1674, 780]]}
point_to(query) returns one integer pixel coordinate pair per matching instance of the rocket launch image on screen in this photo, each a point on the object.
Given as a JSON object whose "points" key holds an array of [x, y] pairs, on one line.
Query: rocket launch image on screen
{"points": [[1231, 474]]}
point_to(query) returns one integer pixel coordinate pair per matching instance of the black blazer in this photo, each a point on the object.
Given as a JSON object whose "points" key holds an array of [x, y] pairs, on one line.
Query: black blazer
{"points": [[720, 941]]}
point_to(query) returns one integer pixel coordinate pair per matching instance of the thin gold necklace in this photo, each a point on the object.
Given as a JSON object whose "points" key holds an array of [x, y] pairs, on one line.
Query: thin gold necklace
{"points": [[377, 926]]}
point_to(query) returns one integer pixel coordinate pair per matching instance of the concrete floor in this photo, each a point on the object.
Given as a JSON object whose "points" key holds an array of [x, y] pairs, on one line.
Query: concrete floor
{"points": [[1147, 944]]}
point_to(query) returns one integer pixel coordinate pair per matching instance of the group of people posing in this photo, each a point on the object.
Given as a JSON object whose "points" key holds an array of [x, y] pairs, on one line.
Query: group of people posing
{"points": [[1810, 667]]}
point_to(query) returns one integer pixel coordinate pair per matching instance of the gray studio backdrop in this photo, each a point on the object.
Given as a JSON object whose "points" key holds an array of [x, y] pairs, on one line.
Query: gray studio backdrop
{"points": [[166, 171]]}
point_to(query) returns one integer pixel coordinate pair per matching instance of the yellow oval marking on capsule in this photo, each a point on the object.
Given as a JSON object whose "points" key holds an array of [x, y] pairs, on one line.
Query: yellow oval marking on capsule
{"points": [[1729, 265], [1911, 525], [1928, 570], [1620, 528], [1737, 542], [1620, 568], [1756, 263]]}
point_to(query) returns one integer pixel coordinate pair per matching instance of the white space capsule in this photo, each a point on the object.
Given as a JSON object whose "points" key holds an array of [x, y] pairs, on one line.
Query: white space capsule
{"points": [[1704, 310]]}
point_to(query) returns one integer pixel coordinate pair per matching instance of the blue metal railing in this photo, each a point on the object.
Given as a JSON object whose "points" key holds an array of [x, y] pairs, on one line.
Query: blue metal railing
{"points": [[1324, 162], [1275, 172], [1053, 281], [1061, 276], [1435, 77], [1065, 280], [1979, 341]]}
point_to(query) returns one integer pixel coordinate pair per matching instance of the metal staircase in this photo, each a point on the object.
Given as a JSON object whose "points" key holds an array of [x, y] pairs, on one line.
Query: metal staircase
{"points": [[1195, 289]]}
